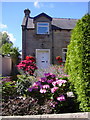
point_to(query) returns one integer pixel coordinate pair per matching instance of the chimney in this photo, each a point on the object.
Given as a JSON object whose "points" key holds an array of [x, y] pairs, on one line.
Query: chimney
{"points": [[27, 12]]}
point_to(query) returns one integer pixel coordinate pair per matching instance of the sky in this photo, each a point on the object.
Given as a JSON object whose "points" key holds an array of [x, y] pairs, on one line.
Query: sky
{"points": [[12, 14]]}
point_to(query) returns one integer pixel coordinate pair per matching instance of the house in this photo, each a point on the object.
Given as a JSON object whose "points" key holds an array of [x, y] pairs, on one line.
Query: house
{"points": [[45, 37]]}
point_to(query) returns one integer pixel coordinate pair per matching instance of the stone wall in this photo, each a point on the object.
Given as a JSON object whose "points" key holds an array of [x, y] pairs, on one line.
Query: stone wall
{"points": [[68, 116], [55, 41], [61, 40]]}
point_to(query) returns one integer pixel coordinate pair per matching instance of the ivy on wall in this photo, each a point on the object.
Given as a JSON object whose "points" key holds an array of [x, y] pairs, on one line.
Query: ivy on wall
{"points": [[78, 62]]}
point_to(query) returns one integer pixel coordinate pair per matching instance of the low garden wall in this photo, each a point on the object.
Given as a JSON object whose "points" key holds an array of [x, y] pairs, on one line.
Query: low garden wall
{"points": [[68, 116], [5, 65]]}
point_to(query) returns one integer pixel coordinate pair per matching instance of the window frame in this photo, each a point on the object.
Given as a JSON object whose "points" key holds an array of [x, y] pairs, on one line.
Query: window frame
{"points": [[47, 26], [64, 54]]}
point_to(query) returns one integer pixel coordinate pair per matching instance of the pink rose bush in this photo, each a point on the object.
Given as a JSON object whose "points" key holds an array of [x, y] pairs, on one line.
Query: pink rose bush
{"points": [[51, 88]]}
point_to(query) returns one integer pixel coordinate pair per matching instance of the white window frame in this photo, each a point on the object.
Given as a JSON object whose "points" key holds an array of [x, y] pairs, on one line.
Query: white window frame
{"points": [[63, 54], [42, 26]]}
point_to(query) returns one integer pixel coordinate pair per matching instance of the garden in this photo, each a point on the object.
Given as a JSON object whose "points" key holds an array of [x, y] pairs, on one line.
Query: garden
{"points": [[57, 89], [35, 91]]}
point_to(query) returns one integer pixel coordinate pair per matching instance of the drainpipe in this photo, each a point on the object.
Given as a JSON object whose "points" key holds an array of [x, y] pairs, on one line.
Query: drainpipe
{"points": [[52, 47], [23, 42]]}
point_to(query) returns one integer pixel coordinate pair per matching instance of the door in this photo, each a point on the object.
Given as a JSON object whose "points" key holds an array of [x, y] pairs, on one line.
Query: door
{"points": [[43, 58]]}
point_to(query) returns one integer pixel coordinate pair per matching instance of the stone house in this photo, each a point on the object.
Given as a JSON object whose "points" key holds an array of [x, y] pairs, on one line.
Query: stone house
{"points": [[45, 37]]}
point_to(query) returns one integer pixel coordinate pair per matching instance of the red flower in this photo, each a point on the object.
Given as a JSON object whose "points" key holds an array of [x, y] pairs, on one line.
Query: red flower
{"points": [[59, 59], [28, 65], [30, 58], [27, 57]]}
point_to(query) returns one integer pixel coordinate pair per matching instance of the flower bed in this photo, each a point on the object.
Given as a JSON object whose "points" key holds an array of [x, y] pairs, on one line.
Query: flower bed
{"points": [[34, 94], [48, 95]]}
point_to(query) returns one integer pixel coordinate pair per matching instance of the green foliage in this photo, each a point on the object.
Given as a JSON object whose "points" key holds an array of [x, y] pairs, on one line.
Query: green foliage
{"points": [[6, 46], [8, 88], [23, 83], [78, 62]]}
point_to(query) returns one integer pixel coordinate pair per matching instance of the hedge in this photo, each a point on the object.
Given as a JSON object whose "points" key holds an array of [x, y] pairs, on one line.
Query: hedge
{"points": [[78, 62]]}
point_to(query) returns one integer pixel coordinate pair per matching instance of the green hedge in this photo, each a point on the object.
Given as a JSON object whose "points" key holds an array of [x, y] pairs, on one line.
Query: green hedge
{"points": [[78, 62]]}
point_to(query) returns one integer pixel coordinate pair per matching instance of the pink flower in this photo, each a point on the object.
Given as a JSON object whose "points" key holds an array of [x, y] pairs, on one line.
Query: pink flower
{"points": [[50, 81], [34, 85], [47, 74], [51, 104], [38, 83], [54, 89], [42, 90], [43, 79], [54, 83], [46, 86], [52, 75], [61, 98], [60, 82], [32, 88]]}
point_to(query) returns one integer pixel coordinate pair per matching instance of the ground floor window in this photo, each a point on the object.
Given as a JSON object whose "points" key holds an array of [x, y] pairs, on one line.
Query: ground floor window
{"points": [[64, 51]]}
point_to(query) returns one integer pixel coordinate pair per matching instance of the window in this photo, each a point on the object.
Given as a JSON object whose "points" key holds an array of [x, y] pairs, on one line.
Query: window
{"points": [[64, 51], [42, 28]]}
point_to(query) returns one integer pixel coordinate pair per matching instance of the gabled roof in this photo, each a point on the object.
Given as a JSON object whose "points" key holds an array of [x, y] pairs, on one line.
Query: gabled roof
{"points": [[43, 14], [64, 23], [57, 23]]}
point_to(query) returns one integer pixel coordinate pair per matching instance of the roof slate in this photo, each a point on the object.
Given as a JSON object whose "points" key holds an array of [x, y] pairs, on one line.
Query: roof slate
{"points": [[30, 23], [64, 23], [57, 23]]}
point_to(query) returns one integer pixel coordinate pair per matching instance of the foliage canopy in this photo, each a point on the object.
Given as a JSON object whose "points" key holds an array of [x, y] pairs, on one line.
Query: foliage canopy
{"points": [[6, 46]]}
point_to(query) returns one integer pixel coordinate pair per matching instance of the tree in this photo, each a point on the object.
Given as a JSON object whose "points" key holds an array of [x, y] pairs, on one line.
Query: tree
{"points": [[78, 61], [6, 46]]}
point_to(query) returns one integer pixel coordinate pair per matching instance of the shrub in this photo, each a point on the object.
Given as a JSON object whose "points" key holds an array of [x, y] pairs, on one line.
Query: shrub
{"points": [[23, 82], [78, 62], [8, 88], [45, 96], [28, 65], [52, 89], [25, 106]]}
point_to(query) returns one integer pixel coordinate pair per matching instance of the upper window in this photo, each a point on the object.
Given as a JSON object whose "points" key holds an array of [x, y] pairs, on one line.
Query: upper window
{"points": [[42, 28]]}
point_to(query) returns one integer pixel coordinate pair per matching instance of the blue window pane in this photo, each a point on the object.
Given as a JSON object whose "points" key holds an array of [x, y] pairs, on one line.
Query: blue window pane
{"points": [[43, 30]]}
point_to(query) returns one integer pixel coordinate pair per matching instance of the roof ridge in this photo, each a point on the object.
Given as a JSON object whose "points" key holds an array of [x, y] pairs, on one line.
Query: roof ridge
{"points": [[67, 18]]}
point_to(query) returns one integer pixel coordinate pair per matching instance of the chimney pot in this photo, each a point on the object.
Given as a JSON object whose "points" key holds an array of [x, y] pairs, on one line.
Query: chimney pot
{"points": [[27, 12]]}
